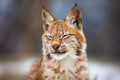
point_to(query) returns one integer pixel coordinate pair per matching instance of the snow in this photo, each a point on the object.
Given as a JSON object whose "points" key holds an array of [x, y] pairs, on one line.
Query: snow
{"points": [[103, 70]]}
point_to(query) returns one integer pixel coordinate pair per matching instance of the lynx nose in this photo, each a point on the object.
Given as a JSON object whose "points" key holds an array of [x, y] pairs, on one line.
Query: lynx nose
{"points": [[56, 47]]}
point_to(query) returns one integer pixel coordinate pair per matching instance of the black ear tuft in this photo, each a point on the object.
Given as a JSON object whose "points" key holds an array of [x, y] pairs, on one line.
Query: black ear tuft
{"points": [[75, 4], [43, 7]]}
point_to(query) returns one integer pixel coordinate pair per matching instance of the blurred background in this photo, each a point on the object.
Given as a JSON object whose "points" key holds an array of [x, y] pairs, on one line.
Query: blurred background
{"points": [[21, 30]]}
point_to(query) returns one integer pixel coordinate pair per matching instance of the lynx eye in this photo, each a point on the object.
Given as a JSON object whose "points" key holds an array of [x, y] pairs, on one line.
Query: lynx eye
{"points": [[66, 36], [49, 37]]}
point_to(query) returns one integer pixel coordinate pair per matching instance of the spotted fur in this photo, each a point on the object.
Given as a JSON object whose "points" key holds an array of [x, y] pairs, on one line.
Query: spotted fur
{"points": [[64, 49]]}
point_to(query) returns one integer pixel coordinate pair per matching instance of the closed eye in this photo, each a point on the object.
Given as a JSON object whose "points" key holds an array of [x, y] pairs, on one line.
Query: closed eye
{"points": [[66, 36], [49, 37]]}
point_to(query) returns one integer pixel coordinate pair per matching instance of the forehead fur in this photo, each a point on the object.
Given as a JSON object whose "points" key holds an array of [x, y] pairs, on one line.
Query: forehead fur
{"points": [[61, 26]]}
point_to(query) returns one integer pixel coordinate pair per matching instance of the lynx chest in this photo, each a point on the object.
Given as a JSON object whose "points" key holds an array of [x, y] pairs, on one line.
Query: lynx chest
{"points": [[69, 69]]}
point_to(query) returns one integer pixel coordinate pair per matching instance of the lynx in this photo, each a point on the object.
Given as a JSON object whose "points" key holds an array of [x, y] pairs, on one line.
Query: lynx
{"points": [[64, 49]]}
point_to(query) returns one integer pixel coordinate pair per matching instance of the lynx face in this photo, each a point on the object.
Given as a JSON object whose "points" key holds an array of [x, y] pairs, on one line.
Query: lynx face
{"points": [[63, 38]]}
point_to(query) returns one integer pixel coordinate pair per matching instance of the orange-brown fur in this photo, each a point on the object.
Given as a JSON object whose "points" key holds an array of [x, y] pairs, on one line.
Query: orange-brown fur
{"points": [[69, 61]]}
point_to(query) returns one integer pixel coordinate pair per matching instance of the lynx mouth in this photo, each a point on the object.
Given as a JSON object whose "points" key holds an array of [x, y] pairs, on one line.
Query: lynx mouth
{"points": [[58, 52], [59, 55]]}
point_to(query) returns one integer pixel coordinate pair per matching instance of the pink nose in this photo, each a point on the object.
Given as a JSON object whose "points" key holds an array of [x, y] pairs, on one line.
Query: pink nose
{"points": [[56, 47]]}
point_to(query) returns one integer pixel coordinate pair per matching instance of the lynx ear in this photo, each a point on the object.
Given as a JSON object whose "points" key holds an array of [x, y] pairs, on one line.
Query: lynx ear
{"points": [[74, 17], [47, 19]]}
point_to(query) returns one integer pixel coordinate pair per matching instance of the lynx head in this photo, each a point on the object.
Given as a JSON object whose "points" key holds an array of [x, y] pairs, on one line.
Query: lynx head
{"points": [[63, 38]]}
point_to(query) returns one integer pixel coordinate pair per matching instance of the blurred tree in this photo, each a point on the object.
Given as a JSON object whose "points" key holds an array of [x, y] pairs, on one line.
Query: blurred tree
{"points": [[20, 26], [112, 35]]}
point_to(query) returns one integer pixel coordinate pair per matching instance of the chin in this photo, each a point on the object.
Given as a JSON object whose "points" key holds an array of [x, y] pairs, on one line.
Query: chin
{"points": [[65, 56], [59, 57]]}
